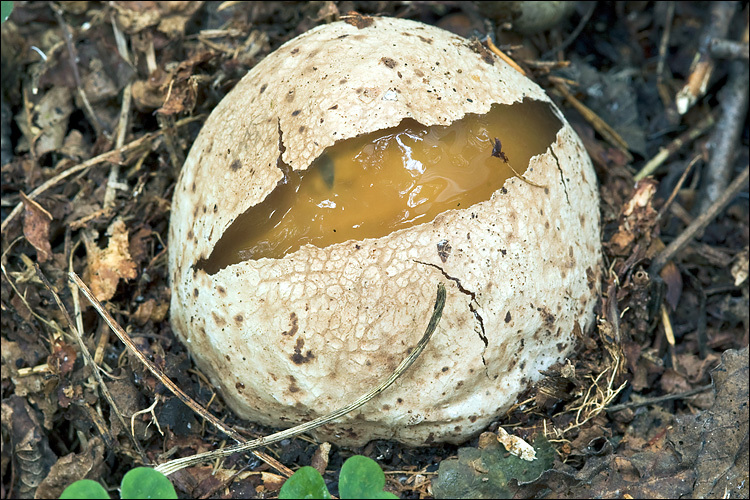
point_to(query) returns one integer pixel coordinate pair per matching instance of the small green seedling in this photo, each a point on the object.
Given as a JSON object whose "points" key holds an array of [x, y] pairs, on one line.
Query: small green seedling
{"points": [[361, 477], [5, 9], [141, 482], [85, 488]]}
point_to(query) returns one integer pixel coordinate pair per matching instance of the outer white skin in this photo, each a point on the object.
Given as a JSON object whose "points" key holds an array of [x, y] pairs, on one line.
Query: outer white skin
{"points": [[287, 340]]}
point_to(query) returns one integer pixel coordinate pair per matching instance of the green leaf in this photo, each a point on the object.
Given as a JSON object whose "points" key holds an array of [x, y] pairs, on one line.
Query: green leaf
{"points": [[362, 477], [305, 483], [145, 482], [487, 472], [84, 488], [5, 9]]}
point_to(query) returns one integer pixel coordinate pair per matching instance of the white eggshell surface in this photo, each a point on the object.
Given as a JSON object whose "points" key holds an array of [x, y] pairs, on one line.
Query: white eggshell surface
{"points": [[288, 340]]}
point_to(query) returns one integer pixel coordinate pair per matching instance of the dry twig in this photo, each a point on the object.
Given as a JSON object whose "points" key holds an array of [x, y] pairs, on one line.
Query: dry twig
{"points": [[726, 135], [122, 124], [677, 187], [609, 134], [660, 399], [664, 94], [700, 222], [73, 55], [664, 153], [174, 388], [729, 49], [702, 67], [103, 429], [502, 55], [175, 465]]}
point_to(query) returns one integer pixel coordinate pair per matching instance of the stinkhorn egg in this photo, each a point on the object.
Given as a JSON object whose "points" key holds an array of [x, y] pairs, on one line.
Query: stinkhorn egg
{"points": [[343, 177]]}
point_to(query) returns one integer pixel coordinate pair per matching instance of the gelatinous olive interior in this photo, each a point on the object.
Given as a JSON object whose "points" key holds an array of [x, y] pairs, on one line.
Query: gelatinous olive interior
{"points": [[372, 185]]}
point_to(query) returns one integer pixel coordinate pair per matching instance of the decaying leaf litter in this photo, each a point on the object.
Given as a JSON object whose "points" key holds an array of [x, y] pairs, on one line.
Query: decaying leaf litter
{"points": [[88, 169]]}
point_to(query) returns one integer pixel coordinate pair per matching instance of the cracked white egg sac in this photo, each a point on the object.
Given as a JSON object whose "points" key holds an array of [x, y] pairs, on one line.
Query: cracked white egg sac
{"points": [[303, 274]]}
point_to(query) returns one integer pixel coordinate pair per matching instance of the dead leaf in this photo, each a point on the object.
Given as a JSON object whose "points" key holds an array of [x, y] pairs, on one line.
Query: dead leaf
{"points": [[128, 400], [620, 241], [673, 279], [107, 267], [143, 313], [704, 454], [328, 12], [645, 474], [67, 393], [133, 17], [36, 222], [319, 460], [30, 444], [171, 17], [182, 89], [178, 14], [150, 93], [715, 441], [62, 359], [87, 464], [75, 7], [21, 308], [357, 20], [140, 244], [673, 382], [272, 482], [695, 368], [48, 121], [13, 356], [614, 100], [75, 146], [637, 220]]}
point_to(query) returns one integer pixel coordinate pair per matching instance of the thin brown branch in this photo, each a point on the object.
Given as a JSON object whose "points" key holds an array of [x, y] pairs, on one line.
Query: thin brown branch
{"points": [[660, 399], [103, 430], [700, 222], [729, 49], [678, 186], [682, 140], [175, 465], [604, 129], [702, 68], [725, 137], [502, 55], [174, 388], [73, 56]]}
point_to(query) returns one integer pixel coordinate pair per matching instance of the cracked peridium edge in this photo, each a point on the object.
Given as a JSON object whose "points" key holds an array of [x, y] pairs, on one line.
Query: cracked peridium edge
{"points": [[473, 307], [559, 169], [208, 263], [205, 263]]}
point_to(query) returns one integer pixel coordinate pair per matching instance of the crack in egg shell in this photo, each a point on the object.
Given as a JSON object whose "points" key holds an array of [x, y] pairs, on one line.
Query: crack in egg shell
{"points": [[291, 339], [372, 185], [324, 75]]}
